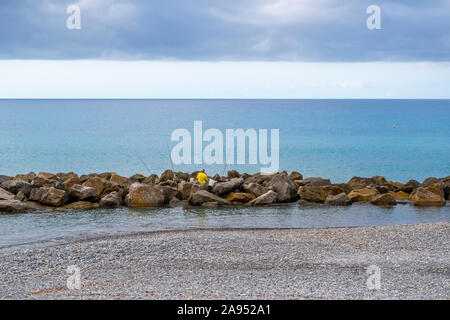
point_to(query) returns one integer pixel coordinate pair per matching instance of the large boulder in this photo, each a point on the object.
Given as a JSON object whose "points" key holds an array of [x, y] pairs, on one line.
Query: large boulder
{"points": [[70, 181], [228, 186], [410, 186], [6, 195], [203, 196], [80, 193], [363, 194], [294, 175], [97, 183], [121, 181], [360, 182], [189, 188], [399, 195], [429, 181], [233, 174], [47, 176], [258, 178], [313, 182], [111, 200], [14, 186], [284, 187], [144, 195], [445, 183], [340, 199], [25, 177], [16, 206], [319, 194], [169, 193], [423, 197], [267, 198], [384, 199], [167, 175], [4, 178], [53, 197], [255, 189], [136, 178], [239, 197], [437, 189]]}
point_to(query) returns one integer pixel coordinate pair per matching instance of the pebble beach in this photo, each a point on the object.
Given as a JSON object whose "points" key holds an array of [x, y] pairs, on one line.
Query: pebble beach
{"points": [[330, 263]]}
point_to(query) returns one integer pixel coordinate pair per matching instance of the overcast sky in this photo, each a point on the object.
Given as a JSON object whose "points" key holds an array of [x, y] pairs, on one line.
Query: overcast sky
{"points": [[218, 48]]}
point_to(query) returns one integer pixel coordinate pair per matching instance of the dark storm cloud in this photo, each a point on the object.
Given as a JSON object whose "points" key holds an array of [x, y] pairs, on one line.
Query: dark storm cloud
{"points": [[294, 30]]}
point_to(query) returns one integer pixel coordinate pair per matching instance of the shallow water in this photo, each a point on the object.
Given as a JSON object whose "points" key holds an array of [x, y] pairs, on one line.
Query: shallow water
{"points": [[55, 226]]}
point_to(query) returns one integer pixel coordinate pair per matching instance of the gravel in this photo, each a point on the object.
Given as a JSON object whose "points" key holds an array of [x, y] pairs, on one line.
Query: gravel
{"points": [[238, 264]]}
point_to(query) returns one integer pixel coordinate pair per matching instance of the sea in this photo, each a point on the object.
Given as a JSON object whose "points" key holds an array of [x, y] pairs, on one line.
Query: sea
{"points": [[336, 139]]}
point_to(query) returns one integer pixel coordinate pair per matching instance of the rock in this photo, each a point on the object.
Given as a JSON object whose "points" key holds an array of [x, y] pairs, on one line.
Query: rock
{"points": [[320, 193], [39, 182], [284, 187], [121, 181], [175, 202], [203, 196], [47, 176], [410, 186], [4, 178], [399, 195], [105, 175], [313, 182], [111, 200], [255, 189], [16, 206], [239, 197], [79, 205], [110, 186], [97, 183], [437, 189], [169, 193], [258, 178], [152, 179], [183, 176], [26, 177], [384, 199], [267, 198], [340, 199], [6, 195], [167, 175], [143, 195], [136, 178], [429, 181], [313, 194], [294, 175], [210, 204], [364, 194], [80, 193], [233, 174], [423, 197], [53, 197], [14, 186], [360, 183], [20, 196], [70, 182], [226, 187], [445, 183]]}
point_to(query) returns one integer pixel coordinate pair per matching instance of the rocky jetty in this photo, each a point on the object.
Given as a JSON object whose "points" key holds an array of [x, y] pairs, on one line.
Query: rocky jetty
{"points": [[44, 191]]}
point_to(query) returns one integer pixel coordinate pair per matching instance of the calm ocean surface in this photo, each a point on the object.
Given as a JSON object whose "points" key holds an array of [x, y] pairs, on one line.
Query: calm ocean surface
{"points": [[336, 139], [328, 138]]}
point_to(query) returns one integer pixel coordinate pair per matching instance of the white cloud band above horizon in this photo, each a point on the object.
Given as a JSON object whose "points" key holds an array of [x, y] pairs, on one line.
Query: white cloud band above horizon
{"points": [[98, 79]]}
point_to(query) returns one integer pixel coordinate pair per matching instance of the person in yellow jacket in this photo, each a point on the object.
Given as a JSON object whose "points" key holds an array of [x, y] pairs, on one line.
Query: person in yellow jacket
{"points": [[202, 177]]}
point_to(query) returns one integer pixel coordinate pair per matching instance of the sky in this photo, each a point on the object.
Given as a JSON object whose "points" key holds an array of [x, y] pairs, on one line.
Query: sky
{"points": [[224, 49]]}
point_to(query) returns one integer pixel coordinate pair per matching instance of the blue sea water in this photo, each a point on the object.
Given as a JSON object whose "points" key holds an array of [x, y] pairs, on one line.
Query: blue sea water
{"points": [[337, 139]]}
